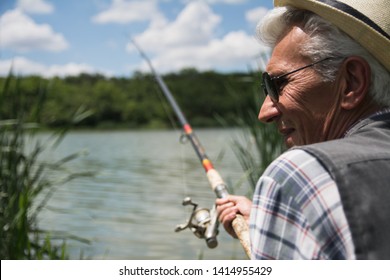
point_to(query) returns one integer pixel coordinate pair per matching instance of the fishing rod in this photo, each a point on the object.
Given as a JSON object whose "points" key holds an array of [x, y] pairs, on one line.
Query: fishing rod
{"points": [[202, 223]]}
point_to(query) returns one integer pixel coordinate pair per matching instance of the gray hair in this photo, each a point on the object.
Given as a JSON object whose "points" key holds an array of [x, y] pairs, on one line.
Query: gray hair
{"points": [[326, 40]]}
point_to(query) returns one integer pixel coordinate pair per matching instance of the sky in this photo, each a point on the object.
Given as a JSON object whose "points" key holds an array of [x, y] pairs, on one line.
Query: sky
{"points": [[69, 37]]}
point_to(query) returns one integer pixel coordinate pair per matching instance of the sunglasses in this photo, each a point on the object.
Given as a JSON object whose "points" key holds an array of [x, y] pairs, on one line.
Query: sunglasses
{"points": [[271, 85]]}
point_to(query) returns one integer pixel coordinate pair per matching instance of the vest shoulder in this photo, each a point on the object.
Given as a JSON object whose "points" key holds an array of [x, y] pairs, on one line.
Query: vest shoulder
{"points": [[369, 142]]}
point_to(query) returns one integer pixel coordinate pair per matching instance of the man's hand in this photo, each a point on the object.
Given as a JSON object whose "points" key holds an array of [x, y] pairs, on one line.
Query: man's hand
{"points": [[229, 207]]}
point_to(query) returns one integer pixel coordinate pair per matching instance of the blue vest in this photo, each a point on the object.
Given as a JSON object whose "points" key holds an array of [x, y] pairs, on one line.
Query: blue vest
{"points": [[360, 166]]}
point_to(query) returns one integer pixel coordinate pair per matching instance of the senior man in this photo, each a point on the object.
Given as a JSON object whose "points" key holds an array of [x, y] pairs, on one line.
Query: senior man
{"points": [[327, 88]]}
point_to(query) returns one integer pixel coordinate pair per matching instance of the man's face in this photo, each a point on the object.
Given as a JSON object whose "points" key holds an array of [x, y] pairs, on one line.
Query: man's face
{"points": [[307, 106]]}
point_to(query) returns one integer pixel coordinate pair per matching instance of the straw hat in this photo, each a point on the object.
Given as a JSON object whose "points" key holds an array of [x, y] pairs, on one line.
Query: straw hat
{"points": [[368, 22]]}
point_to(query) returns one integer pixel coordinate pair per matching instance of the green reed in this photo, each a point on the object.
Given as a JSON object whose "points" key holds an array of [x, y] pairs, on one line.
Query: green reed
{"points": [[259, 144], [25, 187]]}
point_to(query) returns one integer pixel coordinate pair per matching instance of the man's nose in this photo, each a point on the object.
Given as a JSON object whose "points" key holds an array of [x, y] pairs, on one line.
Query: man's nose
{"points": [[268, 111]]}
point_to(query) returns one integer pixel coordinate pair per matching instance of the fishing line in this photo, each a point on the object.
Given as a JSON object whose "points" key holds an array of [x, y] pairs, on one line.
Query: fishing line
{"points": [[164, 105]]}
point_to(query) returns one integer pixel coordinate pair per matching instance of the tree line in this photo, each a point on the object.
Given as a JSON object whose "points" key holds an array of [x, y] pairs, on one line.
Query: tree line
{"points": [[136, 102]]}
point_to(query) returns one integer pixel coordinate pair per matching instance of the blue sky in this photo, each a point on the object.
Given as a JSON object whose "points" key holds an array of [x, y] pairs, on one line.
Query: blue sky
{"points": [[67, 37]]}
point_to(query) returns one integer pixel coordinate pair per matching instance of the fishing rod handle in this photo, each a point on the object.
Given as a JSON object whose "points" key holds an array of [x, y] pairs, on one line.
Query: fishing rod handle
{"points": [[239, 224], [242, 231]]}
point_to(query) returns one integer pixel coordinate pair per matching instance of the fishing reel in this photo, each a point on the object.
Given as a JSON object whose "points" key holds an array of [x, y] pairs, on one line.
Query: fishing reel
{"points": [[202, 222]]}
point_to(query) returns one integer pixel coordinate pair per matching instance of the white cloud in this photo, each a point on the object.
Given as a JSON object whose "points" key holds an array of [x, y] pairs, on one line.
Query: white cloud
{"points": [[123, 11], [20, 66], [69, 69], [20, 33], [190, 41], [255, 15], [35, 6], [24, 66], [235, 50], [227, 1], [195, 25], [221, 1]]}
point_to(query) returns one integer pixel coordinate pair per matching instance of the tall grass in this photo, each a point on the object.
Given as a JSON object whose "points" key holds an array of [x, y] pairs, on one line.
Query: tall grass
{"points": [[259, 144], [24, 184]]}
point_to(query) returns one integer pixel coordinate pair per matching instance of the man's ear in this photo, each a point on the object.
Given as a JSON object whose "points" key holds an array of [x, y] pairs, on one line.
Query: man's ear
{"points": [[357, 78]]}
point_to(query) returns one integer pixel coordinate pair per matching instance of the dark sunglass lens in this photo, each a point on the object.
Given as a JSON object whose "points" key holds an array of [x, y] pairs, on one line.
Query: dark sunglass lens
{"points": [[264, 84], [269, 87]]}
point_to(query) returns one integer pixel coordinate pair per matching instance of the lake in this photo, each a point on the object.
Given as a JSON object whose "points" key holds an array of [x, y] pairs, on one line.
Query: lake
{"points": [[131, 206]]}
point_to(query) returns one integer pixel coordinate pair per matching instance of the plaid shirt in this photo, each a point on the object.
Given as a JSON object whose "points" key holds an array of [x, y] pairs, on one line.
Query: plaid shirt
{"points": [[297, 212]]}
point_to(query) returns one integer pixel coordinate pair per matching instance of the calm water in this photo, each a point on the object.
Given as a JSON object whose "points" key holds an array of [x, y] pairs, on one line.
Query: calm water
{"points": [[130, 208]]}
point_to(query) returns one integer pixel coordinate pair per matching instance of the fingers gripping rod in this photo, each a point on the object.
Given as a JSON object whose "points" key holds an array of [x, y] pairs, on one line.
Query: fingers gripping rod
{"points": [[216, 182]]}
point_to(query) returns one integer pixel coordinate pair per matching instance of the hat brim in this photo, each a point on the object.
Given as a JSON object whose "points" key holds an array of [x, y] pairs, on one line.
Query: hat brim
{"points": [[377, 43]]}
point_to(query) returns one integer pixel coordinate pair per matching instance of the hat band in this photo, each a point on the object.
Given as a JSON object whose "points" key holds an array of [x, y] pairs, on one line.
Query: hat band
{"points": [[355, 13]]}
